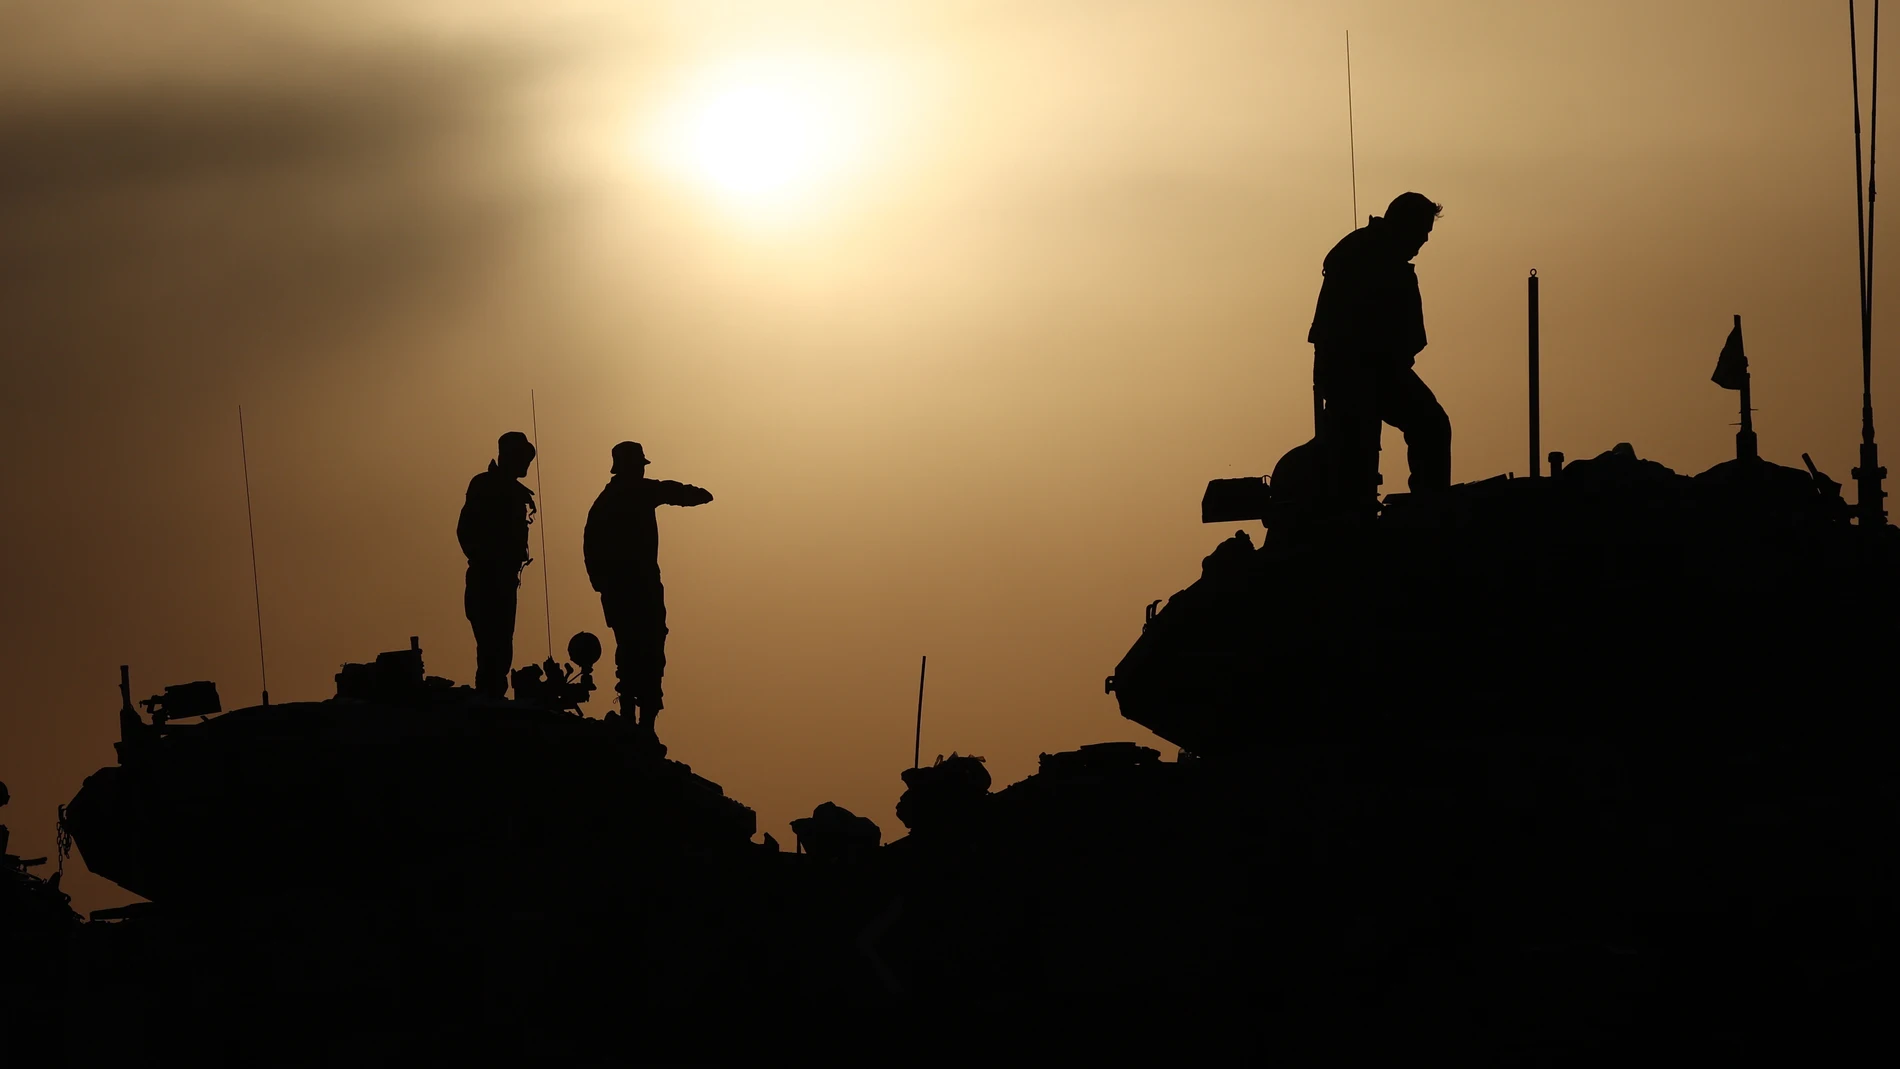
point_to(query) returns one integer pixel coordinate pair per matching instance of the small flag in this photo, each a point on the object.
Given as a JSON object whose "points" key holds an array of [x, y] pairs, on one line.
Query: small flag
{"points": [[1731, 368]]}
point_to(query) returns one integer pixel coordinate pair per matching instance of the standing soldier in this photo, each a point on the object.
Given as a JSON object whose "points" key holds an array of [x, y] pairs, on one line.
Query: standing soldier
{"points": [[622, 550], [1367, 332], [493, 531]]}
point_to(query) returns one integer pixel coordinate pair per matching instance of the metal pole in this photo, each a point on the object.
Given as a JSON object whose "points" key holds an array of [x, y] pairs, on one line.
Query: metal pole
{"points": [[1536, 429], [917, 745]]}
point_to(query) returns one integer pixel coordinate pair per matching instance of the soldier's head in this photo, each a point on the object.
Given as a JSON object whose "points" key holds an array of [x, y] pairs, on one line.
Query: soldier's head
{"points": [[629, 459], [513, 454], [1409, 218]]}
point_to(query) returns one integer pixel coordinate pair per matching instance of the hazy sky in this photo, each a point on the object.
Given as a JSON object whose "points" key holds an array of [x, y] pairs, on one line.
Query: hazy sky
{"points": [[955, 307]]}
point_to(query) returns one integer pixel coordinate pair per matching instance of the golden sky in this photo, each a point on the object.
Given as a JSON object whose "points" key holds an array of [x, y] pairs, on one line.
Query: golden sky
{"points": [[954, 305]]}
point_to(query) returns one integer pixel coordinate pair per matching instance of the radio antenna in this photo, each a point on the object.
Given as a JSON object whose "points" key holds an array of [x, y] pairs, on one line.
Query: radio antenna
{"points": [[541, 513], [1869, 475], [1352, 136], [257, 596], [917, 744]]}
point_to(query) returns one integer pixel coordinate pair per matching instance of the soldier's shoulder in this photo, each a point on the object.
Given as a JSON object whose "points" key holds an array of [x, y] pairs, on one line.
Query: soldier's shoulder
{"points": [[611, 495], [1350, 248], [498, 484]]}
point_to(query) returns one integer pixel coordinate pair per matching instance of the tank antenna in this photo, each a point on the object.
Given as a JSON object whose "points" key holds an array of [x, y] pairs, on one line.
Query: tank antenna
{"points": [[917, 745], [1352, 137], [547, 613], [1869, 475], [257, 596]]}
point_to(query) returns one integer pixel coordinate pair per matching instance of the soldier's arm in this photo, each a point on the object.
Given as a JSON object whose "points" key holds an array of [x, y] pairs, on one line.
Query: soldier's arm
{"points": [[1412, 305], [683, 494], [471, 526]]}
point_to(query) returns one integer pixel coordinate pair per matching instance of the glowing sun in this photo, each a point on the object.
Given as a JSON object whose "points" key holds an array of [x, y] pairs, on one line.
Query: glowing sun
{"points": [[760, 135]]}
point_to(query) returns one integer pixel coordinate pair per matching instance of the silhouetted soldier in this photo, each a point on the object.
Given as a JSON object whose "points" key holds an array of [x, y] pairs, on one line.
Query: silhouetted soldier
{"points": [[622, 550], [1367, 330], [493, 531]]}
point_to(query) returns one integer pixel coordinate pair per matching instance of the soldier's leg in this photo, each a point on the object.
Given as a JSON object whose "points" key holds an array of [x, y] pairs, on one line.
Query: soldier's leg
{"points": [[658, 609], [1349, 426], [613, 605], [1408, 404], [489, 602], [649, 651]]}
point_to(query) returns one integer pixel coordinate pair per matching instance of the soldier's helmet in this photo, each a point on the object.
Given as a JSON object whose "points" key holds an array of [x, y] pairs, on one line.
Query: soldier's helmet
{"points": [[629, 457], [514, 445]]}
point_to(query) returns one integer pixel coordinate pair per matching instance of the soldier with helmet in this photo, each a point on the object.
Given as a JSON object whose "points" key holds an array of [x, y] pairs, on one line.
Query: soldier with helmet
{"points": [[622, 550], [493, 530]]}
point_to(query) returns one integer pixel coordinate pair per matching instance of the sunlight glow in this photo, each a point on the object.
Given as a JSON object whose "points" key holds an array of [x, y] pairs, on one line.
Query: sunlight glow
{"points": [[765, 134]]}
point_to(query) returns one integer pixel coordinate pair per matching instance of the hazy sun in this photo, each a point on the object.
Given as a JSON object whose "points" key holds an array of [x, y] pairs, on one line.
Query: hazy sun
{"points": [[764, 135]]}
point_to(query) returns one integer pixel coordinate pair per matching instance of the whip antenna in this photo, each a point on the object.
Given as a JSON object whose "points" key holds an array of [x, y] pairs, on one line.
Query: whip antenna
{"points": [[1869, 475], [917, 745], [547, 613], [1352, 137], [257, 596]]}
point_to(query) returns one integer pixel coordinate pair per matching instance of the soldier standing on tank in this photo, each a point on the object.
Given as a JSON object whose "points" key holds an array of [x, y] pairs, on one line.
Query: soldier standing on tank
{"points": [[1367, 331], [622, 549], [493, 531]]}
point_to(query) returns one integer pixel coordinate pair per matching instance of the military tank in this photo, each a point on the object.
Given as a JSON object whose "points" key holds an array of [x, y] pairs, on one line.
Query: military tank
{"points": [[1573, 759], [1612, 596], [409, 865], [398, 776]]}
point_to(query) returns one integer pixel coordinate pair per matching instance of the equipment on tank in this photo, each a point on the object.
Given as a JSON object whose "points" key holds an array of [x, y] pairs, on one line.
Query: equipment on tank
{"points": [[182, 700]]}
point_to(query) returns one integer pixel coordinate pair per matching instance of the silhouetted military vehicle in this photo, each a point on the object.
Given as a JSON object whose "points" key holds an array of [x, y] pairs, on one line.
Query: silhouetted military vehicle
{"points": [[398, 775], [1598, 755], [1614, 596]]}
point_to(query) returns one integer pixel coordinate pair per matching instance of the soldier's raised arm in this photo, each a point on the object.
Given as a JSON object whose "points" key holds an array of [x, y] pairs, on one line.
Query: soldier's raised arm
{"points": [[683, 494]]}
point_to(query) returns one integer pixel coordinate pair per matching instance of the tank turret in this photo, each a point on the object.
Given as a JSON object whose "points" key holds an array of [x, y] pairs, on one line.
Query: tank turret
{"points": [[1616, 595], [399, 773]]}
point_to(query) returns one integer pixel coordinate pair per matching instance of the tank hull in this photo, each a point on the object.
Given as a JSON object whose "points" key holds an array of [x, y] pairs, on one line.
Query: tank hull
{"points": [[1527, 606], [336, 793]]}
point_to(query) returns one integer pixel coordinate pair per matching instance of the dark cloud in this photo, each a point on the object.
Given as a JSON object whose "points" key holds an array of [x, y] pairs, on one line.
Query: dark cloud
{"points": [[182, 221]]}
